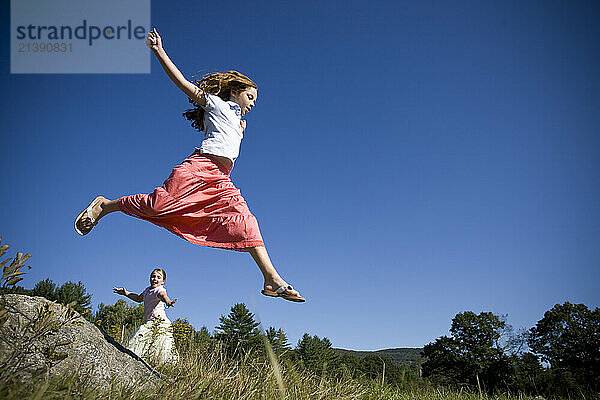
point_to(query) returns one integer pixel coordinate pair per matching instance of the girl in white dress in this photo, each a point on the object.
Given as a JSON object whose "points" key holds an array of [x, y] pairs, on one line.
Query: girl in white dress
{"points": [[154, 339]]}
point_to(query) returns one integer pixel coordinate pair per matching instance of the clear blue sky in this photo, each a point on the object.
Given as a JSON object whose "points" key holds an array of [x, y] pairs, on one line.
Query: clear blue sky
{"points": [[405, 161]]}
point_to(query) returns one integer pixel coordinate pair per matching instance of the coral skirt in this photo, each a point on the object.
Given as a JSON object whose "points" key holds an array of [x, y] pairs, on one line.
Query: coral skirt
{"points": [[199, 203]]}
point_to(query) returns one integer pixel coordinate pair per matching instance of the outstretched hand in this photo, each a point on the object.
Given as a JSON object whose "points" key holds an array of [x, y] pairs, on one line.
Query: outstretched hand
{"points": [[153, 40], [243, 124], [120, 290], [172, 303]]}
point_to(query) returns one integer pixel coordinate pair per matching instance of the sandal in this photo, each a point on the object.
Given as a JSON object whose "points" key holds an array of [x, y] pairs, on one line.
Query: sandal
{"points": [[281, 292], [84, 221]]}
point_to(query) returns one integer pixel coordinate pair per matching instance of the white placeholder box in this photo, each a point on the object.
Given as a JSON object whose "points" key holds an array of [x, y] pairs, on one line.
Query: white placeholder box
{"points": [[79, 36]]}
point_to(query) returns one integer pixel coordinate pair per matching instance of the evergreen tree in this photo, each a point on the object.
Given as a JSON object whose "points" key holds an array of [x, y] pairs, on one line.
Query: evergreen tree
{"points": [[75, 293], [68, 293], [278, 340], [46, 289], [349, 366], [317, 355], [238, 331], [202, 337], [374, 366], [16, 290]]}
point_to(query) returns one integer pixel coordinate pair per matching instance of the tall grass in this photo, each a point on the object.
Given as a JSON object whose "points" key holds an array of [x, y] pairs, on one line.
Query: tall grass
{"points": [[204, 372]]}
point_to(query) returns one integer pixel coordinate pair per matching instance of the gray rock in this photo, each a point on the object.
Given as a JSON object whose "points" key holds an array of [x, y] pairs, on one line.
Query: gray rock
{"points": [[42, 337]]}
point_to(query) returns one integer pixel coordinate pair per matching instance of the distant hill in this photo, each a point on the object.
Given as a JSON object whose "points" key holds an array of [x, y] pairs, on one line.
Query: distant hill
{"points": [[399, 356]]}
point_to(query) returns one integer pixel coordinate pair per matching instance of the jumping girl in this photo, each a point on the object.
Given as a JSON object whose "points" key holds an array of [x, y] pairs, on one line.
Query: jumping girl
{"points": [[198, 201], [155, 337]]}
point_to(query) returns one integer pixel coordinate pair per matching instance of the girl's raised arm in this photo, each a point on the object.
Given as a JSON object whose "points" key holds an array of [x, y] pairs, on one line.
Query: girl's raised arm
{"points": [[124, 292], [154, 42], [163, 296]]}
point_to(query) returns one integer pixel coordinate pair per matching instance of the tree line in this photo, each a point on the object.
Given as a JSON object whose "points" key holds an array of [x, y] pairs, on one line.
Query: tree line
{"points": [[558, 357]]}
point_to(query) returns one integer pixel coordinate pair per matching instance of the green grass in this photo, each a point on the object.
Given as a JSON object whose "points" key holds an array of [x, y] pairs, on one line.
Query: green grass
{"points": [[207, 374]]}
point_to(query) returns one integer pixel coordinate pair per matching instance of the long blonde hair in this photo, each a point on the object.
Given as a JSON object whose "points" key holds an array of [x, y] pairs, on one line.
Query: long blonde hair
{"points": [[220, 84]]}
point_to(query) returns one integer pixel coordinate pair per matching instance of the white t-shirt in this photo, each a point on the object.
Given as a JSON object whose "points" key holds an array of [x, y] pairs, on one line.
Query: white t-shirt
{"points": [[153, 306], [222, 130]]}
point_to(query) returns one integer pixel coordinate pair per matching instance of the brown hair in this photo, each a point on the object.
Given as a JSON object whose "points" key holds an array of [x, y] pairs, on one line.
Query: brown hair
{"points": [[220, 84], [162, 271]]}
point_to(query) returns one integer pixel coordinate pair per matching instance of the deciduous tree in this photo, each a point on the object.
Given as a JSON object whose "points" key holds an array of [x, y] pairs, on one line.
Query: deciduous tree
{"points": [[183, 334], [568, 337], [471, 355], [119, 319]]}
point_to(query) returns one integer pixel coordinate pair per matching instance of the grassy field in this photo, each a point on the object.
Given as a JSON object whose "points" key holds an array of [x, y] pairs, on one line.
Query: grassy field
{"points": [[207, 374]]}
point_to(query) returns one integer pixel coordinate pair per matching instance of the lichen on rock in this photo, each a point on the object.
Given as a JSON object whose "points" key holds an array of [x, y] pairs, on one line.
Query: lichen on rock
{"points": [[41, 337]]}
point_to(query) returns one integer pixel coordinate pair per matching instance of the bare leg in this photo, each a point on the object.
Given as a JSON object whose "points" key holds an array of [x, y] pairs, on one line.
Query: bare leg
{"points": [[272, 278], [88, 219], [103, 207]]}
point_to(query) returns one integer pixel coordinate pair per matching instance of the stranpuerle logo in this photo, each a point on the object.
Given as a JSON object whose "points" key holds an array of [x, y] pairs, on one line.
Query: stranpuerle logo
{"points": [[89, 33], [79, 36]]}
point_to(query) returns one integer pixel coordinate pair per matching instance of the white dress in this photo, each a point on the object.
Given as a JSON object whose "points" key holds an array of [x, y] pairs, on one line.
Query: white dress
{"points": [[153, 340]]}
